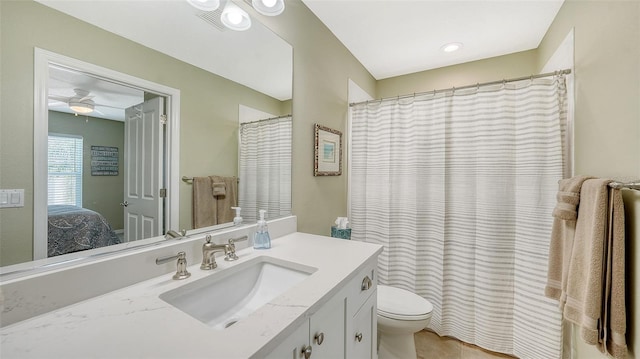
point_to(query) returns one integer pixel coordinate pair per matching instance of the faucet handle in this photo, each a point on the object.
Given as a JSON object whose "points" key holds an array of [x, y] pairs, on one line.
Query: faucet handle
{"points": [[181, 265], [230, 253]]}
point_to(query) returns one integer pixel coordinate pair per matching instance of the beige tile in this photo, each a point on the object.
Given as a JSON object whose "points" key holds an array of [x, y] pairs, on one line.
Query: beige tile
{"points": [[430, 345]]}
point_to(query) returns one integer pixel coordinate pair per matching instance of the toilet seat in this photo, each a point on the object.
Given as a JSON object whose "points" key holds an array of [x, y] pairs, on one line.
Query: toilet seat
{"points": [[400, 304]]}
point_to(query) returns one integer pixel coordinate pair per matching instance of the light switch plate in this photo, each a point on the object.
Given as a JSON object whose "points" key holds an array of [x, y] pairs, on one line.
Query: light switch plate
{"points": [[11, 198]]}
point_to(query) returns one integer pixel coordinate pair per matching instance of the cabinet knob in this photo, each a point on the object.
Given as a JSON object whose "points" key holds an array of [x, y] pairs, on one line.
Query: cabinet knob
{"points": [[306, 351], [319, 338], [366, 283], [359, 337]]}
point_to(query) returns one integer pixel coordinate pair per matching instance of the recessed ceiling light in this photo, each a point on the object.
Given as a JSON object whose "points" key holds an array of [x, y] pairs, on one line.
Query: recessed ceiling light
{"points": [[451, 47]]}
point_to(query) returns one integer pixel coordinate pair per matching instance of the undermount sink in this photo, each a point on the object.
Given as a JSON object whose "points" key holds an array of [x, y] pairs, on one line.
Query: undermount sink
{"points": [[221, 299]]}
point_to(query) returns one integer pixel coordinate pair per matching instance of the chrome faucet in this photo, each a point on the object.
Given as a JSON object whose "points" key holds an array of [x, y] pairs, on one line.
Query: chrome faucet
{"points": [[173, 234], [208, 251]]}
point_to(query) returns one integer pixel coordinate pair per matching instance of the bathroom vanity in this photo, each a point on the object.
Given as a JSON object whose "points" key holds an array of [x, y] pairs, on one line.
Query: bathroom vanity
{"points": [[320, 302]]}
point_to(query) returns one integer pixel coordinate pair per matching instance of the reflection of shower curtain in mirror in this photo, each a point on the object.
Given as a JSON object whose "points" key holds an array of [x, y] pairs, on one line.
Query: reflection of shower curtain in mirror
{"points": [[265, 168], [459, 189]]}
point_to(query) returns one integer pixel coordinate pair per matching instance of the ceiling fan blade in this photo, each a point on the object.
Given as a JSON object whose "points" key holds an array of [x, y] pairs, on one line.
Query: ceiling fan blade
{"points": [[98, 112], [57, 103], [59, 98], [88, 97]]}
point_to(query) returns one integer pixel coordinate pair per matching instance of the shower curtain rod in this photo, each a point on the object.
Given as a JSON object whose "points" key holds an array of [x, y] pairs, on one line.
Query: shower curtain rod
{"points": [[267, 119], [554, 73]]}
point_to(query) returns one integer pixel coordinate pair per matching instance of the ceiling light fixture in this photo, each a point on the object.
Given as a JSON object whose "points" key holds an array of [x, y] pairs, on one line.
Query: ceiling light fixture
{"points": [[268, 7], [205, 5], [451, 47], [82, 107], [235, 18]]}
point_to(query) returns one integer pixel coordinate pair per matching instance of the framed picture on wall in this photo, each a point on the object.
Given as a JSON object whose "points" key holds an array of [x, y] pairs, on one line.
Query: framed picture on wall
{"points": [[328, 151]]}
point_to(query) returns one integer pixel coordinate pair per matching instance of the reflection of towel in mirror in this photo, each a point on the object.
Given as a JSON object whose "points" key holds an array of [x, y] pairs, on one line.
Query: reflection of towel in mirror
{"points": [[224, 213], [219, 189], [204, 203]]}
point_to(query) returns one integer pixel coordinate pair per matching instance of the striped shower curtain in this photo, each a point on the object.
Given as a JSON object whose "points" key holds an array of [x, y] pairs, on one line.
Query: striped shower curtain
{"points": [[459, 188], [265, 168]]}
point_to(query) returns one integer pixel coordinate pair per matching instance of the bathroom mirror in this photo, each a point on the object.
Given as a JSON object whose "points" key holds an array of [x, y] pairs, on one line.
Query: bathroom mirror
{"points": [[217, 73]]}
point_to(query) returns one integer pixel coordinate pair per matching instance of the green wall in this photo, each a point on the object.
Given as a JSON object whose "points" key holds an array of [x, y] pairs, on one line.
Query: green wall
{"points": [[209, 106], [322, 67], [607, 118], [102, 194]]}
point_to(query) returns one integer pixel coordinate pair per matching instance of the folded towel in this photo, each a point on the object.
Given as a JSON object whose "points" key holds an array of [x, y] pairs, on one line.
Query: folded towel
{"points": [[204, 209], [595, 292], [613, 330], [568, 198], [224, 213], [219, 189], [586, 268], [562, 233]]}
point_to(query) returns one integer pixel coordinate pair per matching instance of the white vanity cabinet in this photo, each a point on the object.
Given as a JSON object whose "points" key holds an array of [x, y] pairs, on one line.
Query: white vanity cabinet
{"points": [[361, 315], [344, 327], [322, 336], [331, 312]]}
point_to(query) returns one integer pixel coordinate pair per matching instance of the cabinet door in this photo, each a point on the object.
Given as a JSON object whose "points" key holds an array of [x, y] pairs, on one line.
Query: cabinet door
{"points": [[327, 328], [361, 342], [291, 347]]}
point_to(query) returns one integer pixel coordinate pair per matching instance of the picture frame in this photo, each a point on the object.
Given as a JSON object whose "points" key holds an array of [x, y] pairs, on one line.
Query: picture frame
{"points": [[328, 151]]}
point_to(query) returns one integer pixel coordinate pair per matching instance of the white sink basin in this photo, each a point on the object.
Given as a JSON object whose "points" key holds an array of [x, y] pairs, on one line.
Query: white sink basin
{"points": [[223, 298]]}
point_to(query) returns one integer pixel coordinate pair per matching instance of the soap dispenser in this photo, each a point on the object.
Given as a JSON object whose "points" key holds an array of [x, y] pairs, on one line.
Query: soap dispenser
{"points": [[261, 239], [237, 219]]}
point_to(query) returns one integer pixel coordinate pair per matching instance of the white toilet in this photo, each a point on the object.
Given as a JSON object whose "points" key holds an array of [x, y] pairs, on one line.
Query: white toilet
{"points": [[400, 315]]}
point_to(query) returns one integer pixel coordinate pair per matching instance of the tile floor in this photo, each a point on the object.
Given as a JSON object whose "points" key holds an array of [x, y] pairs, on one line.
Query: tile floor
{"points": [[430, 345]]}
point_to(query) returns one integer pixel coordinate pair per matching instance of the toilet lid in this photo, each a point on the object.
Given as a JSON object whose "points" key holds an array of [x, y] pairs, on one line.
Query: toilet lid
{"points": [[396, 303]]}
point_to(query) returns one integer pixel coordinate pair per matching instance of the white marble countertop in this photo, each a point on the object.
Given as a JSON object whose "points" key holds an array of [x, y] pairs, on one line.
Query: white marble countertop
{"points": [[133, 322]]}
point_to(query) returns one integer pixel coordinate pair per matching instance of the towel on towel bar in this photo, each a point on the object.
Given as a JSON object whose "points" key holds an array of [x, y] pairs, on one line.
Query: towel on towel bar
{"points": [[204, 207], [562, 233], [209, 208], [224, 202], [219, 189], [594, 295]]}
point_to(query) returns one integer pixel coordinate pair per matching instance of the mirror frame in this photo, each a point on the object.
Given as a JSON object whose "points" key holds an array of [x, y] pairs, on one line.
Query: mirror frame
{"points": [[42, 60]]}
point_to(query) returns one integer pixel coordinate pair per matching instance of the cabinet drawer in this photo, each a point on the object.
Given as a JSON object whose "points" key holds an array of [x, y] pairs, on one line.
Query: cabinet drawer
{"points": [[361, 287]]}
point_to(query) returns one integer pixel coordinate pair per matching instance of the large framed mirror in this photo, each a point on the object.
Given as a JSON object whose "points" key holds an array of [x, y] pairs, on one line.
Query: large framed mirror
{"points": [[222, 78]]}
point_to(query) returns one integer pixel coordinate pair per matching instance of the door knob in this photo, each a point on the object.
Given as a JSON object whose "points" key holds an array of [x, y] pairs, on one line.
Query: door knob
{"points": [[124, 204]]}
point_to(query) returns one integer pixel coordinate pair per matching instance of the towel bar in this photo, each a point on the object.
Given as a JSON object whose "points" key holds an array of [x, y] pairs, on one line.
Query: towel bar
{"points": [[628, 185], [190, 179]]}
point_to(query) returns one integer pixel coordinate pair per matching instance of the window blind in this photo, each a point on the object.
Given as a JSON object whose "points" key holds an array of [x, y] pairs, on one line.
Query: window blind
{"points": [[65, 170]]}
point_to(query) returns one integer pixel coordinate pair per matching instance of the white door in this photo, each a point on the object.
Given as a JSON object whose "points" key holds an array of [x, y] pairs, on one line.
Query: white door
{"points": [[144, 143]]}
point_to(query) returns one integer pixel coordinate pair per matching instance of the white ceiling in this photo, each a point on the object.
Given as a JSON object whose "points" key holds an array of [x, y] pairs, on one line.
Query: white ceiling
{"points": [[389, 37], [256, 58], [110, 99], [398, 37]]}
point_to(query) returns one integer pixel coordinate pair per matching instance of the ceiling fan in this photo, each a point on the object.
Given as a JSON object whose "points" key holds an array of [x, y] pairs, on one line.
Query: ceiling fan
{"points": [[80, 103]]}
